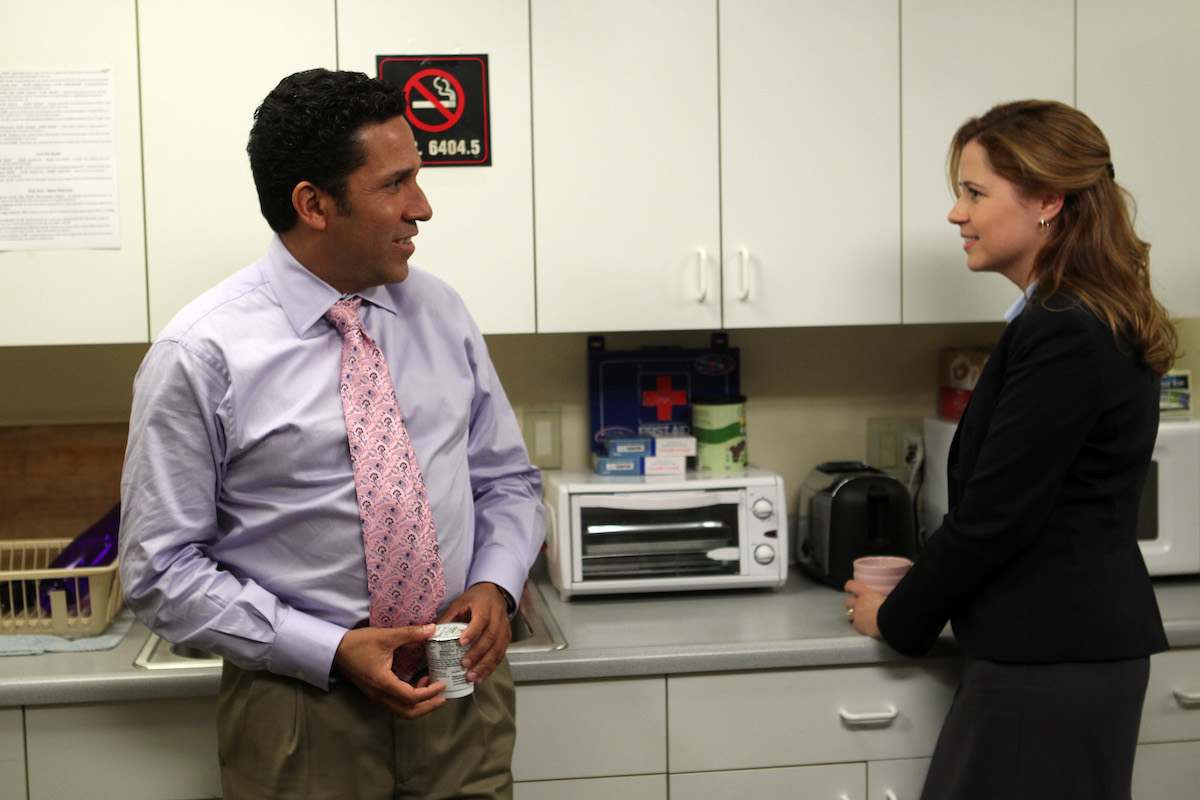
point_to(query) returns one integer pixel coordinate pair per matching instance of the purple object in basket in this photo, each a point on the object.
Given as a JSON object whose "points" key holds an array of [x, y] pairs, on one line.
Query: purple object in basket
{"points": [[95, 547]]}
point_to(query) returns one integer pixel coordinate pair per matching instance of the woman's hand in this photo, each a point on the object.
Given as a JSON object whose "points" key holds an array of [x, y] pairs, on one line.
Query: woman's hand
{"points": [[862, 608]]}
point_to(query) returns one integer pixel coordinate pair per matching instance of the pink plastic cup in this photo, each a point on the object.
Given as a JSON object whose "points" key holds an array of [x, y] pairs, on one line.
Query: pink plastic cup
{"points": [[881, 573]]}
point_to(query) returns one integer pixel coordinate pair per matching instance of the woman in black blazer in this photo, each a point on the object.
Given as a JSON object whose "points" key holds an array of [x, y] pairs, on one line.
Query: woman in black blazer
{"points": [[1037, 566]]}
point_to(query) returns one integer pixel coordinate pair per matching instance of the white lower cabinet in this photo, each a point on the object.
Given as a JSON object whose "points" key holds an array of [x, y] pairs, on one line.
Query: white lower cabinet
{"points": [[12, 753], [901, 779], [148, 749], [591, 729], [633, 787], [831, 781], [1167, 770], [1168, 756], [1172, 709], [844, 733]]}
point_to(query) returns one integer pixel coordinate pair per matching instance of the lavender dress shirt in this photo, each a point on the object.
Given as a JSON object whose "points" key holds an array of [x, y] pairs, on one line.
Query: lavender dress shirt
{"points": [[239, 531]]}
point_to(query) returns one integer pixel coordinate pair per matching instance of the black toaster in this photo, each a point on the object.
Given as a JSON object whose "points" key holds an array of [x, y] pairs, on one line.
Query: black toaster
{"points": [[854, 510]]}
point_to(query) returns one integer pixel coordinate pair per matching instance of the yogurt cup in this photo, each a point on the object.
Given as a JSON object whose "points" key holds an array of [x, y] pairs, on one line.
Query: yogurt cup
{"points": [[445, 655]]}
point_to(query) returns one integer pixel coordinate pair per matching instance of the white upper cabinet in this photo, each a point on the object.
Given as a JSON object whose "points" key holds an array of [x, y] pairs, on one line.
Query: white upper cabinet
{"points": [[626, 165], [480, 239], [73, 296], [810, 162], [1138, 80], [961, 57], [206, 66]]}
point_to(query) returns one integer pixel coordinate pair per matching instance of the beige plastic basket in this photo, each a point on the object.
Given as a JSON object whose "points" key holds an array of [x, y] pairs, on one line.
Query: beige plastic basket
{"points": [[65, 602]]}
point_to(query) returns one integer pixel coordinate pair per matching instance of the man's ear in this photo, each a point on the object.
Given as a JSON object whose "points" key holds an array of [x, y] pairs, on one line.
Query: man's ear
{"points": [[312, 205]]}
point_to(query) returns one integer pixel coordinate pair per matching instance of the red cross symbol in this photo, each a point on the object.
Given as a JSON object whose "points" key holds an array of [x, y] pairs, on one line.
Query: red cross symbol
{"points": [[664, 398]]}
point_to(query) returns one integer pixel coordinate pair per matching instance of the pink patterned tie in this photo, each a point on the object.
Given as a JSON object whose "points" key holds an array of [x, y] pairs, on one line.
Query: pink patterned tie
{"points": [[404, 571]]}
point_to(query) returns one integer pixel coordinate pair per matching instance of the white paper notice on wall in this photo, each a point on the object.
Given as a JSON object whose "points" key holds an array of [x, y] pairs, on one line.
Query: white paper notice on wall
{"points": [[58, 159]]}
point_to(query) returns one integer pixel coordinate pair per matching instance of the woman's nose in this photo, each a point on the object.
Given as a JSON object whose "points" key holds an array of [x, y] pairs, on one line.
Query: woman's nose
{"points": [[957, 215]]}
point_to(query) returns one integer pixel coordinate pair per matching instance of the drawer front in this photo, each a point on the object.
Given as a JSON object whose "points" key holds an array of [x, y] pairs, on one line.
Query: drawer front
{"points": [[809, 716], [588, 729], [830, 782], [1172, 709]]}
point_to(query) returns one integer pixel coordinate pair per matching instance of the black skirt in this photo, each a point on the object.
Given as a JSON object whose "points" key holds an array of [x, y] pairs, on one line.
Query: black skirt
{"points": [[1034, 731]]}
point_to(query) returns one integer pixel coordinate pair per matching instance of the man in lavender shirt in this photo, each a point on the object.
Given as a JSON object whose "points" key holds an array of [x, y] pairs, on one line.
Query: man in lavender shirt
{"points": [[240, 527]]}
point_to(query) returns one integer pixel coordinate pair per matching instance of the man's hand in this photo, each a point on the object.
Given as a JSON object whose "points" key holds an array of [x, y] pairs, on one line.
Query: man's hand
{"points": [[364, 656], [484, 608]]}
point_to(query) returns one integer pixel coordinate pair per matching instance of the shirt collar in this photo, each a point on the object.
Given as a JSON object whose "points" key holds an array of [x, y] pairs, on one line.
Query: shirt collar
{"points": [[303, 297], [1019, 306]]}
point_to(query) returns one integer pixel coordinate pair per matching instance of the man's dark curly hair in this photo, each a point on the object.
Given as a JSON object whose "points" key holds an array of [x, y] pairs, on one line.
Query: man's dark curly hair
{"points": [[307, 130]]}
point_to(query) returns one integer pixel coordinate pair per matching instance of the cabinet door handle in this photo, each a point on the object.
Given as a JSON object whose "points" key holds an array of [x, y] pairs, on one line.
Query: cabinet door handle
{"points": [[702, 274], [743, 274], [890, 795], [870, 718], [1187, 700]]}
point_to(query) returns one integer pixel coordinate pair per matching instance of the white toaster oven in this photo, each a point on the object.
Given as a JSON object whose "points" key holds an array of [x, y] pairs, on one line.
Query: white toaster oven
{"points": [[617, 534]]}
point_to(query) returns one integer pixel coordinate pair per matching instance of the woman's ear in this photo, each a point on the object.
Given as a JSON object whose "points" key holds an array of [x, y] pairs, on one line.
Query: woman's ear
{"points": [[1051, 204], [312, 205]]}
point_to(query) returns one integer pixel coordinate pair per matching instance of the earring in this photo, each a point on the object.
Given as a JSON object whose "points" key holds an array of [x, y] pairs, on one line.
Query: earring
{"points": [[1042, 223]]}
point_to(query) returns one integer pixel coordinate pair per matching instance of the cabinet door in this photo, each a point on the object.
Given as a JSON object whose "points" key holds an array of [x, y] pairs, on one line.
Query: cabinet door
{"points": [[638, 787], [626, 165], [616, 727], [480, 239], [12, 753], [1163, 771], [206, 66], [810, 162], [961, 57], [148, 749], [95, 296], [1139, 80], [829, 782], [807, 716]]}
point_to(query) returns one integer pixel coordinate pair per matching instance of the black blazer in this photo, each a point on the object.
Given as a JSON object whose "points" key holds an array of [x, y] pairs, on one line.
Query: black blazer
{"points": [[1037, 560]]}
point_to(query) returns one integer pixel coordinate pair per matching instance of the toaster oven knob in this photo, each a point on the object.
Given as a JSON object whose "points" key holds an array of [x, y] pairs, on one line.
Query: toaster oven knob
{"points": [[762, 508], [764, 554]]}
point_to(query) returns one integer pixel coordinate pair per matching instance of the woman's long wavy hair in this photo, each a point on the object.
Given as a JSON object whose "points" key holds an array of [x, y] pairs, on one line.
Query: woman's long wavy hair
{"points": [[1092, 251]]}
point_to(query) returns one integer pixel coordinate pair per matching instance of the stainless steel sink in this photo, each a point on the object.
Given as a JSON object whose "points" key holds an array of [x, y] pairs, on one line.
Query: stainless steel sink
{"points": [[534, 631]]}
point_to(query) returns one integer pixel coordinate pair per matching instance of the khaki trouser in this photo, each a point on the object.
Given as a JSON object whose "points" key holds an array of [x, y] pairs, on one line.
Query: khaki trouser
{"points": [[283, 739]]}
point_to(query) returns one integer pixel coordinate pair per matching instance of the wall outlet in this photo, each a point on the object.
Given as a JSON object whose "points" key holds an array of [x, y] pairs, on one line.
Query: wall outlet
{"points": [[895, 445], [543, 436]]}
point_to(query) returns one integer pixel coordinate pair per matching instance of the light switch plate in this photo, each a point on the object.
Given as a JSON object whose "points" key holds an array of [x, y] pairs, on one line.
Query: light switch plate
{"points": [[543, 436]]}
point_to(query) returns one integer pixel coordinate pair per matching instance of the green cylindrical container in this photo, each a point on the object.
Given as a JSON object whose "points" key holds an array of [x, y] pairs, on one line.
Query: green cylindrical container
{"points": [[719, 425]]}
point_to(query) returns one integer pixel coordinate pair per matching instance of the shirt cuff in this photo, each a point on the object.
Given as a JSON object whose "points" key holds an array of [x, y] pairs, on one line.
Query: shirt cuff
{"points": [[304, 648]]}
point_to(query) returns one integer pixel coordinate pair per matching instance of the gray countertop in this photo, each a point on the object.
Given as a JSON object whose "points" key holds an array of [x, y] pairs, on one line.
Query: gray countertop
{"points": [[801, 625]]}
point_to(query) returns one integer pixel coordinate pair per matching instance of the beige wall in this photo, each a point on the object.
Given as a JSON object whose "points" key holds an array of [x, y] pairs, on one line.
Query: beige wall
{"points": [[810, 390]]}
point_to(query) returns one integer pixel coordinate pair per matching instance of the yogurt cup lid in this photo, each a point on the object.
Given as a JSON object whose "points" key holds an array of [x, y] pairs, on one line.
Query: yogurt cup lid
{"points": [[449, 630]]}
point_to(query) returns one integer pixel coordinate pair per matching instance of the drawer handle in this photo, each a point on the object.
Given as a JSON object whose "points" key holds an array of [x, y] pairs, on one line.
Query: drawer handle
{"points": [[868, 719], [1187, 700], [702, 266]]}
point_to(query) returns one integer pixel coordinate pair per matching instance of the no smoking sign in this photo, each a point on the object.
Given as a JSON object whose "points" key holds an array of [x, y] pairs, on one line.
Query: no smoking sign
{"points": [[447, 106]]}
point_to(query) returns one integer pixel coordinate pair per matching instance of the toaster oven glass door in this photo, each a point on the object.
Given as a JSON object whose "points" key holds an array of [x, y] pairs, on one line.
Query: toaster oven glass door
{"points": [[659, 535]]}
